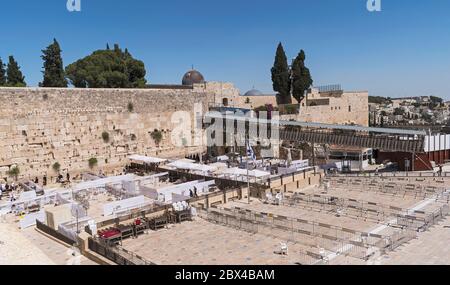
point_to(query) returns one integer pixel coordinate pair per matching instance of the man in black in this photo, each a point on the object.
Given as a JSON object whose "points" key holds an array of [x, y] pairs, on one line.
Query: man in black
{"points": [[195, 192]]}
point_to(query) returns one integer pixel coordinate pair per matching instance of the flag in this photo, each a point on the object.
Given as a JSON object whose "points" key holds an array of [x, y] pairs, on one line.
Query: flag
{"points": [[250, 152]]}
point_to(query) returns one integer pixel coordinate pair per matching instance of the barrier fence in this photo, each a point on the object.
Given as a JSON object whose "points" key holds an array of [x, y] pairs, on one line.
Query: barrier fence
{"points": [[365, 210], [116, 254], [394, 188], [332, 238], [393, 174], [54, 233]]}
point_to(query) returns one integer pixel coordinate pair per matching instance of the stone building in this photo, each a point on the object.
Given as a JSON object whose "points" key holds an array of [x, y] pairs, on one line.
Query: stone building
{"points": [[320, 106]]}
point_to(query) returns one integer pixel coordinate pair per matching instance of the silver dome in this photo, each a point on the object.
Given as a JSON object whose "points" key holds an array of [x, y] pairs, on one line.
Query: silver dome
{"points": [[253, 92]]}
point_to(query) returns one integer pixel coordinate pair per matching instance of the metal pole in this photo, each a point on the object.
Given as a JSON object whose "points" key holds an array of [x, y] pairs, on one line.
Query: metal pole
{"points": [[248, 172]]}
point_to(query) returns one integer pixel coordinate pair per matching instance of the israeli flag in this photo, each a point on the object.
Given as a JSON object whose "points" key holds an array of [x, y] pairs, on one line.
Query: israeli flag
{"points": [[250, 152]]}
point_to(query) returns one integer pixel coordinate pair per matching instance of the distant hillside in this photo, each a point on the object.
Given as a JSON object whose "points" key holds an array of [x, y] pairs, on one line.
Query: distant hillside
{"points": [[378, 100]]}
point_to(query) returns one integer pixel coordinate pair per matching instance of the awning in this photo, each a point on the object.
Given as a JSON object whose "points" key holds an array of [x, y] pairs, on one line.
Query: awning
{"points": [[179, 164], [146, 159]]}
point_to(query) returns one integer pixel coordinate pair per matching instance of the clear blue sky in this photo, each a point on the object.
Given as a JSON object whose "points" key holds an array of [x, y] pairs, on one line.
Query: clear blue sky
{"points": [[402, 51]]}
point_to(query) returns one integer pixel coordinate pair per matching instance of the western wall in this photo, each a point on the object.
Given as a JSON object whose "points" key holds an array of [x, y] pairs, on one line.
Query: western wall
{"points": [[42, 126]]}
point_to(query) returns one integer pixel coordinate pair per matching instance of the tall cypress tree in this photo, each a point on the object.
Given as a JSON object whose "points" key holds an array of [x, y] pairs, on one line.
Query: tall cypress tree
{"points": [[281, 77], [2, 73], [54, 75], [14, 76], [301, 77]]}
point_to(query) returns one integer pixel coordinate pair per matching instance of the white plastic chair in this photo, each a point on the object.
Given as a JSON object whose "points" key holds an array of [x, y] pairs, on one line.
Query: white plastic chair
{"points": [[283, 248]]}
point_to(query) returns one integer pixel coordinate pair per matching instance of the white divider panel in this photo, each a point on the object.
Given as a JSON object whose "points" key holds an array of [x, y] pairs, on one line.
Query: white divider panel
{"points": [[30, 219], [118, 206]]}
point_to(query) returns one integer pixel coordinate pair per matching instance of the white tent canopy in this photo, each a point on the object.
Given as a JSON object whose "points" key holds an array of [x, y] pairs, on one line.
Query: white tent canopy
{"points": [[239, 172], [146, 159], [179, 164], [100, 183]]}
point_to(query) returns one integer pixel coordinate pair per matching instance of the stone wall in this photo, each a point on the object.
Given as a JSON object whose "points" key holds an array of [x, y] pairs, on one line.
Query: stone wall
{"points": [[41, 126], [342, 108], [252, 102]]}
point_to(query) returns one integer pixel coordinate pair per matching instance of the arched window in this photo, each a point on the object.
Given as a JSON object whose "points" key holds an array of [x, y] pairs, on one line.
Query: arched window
{"points": [[225, 101]]}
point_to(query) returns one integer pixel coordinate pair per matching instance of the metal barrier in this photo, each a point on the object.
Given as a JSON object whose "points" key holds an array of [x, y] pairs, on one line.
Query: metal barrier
{"points": [[54, 233], [395, 188], [366, 210], [116, 254], [313, 234]]}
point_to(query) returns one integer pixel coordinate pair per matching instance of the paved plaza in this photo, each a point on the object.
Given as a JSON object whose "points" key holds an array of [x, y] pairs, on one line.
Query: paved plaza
{"points": [[204, 243]]}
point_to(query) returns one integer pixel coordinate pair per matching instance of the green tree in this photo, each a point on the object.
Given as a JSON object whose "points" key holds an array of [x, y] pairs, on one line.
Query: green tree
{"points": [[399, 112], [301, 77], [56, 167], [2, 73], [107, 69], [14, 76], [92, 162], [14, 172], [157, 136], [54, 75], [281, 77]]}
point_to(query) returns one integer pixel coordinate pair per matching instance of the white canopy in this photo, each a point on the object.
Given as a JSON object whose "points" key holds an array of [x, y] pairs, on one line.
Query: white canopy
{"points": [[180, 164], [99, 183], [243, 172], [146, 159]]}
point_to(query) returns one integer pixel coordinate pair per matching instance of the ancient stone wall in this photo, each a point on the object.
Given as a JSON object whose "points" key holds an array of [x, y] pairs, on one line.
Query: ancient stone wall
{"points": [[345, 109], [41, 126]]}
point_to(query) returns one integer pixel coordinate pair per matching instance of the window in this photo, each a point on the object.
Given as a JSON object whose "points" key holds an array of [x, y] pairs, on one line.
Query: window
{"points": [[349, 108]]}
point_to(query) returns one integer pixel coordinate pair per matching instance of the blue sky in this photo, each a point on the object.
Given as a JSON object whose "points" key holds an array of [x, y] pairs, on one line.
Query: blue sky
{"points": [[402, 51]]}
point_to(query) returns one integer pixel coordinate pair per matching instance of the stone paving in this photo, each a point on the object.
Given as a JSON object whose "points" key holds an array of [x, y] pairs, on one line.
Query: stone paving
{"points": [[204, 243], [55, 251], [430, 248], [16, 249]]}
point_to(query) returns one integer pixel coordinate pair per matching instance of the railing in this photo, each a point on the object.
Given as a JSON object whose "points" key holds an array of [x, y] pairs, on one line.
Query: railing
{"points": [[394, 174], [54, 233], [333, 238], [116, 254]]}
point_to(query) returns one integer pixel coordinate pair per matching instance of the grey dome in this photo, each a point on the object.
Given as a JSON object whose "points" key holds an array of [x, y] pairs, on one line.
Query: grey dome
{"points": [[253, 92], [193, 77]]}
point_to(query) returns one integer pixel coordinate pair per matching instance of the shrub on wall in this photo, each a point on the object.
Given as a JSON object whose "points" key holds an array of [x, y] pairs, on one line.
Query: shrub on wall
{"points": [[157, 136], [130, 107], [14, 172], [92, 162], [56, 167], [105, 137]]}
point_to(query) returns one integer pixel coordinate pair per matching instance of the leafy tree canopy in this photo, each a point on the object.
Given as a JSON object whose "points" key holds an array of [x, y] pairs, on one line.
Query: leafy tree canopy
{"points": [[281, 77], [107, 69], [53, 67], [14, 76], [301, 77], [2, 73]]}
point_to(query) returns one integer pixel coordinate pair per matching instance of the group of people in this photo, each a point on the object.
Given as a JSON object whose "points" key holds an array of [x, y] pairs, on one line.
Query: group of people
{"points": [[6, 187], [60, 178], [193, 194]]}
